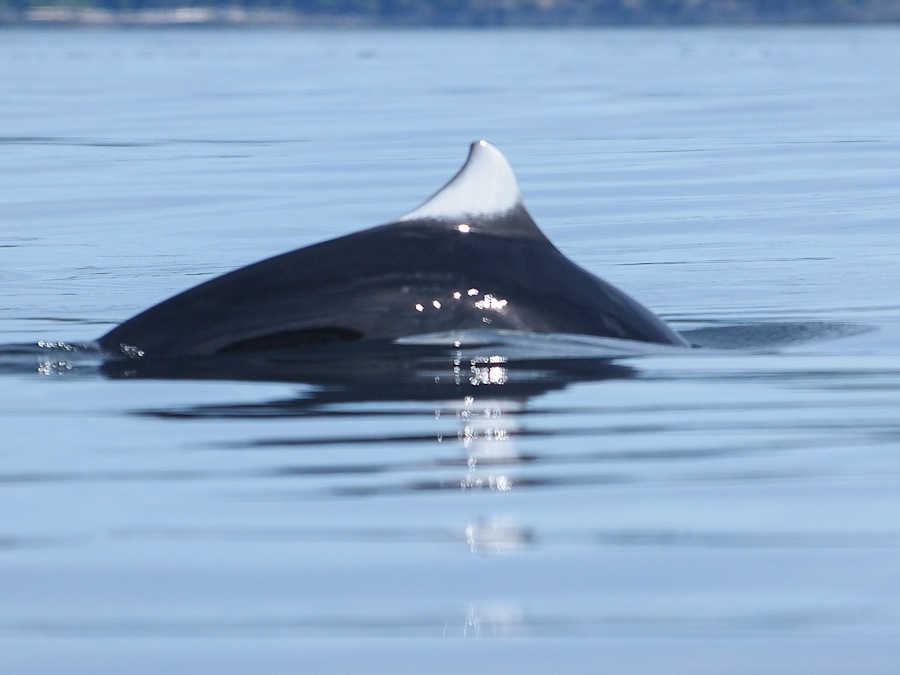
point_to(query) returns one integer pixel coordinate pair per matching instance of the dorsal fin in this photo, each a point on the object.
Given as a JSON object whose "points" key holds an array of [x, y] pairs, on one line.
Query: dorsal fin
{"points": [[483, 195]]}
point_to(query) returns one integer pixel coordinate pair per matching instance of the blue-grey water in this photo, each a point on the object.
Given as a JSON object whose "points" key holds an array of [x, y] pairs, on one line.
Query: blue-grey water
{"points": [[731, 509]]}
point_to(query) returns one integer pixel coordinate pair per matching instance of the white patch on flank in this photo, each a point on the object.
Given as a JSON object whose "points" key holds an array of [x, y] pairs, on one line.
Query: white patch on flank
{"points": [[485, 185]]}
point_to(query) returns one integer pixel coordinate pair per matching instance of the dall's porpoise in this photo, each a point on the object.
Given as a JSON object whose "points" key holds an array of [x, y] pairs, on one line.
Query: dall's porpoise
{"points": [[469, 257]]}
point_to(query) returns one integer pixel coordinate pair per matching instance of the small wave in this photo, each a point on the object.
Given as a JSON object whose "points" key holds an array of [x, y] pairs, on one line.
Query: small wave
{"points": [[422, 367], [769, 335], [49, 358]]}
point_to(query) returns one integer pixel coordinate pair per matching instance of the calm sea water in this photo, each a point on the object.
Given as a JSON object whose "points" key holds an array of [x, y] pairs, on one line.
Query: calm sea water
{"points": [[734, 509]]}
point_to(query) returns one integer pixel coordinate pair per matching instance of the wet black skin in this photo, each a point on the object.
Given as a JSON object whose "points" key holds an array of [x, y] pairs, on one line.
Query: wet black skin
{"points": [[401, 279]]}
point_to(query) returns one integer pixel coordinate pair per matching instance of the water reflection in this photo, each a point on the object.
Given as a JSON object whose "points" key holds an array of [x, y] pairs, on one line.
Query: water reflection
{"points": [[487, 432], [381, 372], [497, 534], [524, 365], [489, 620], [477, 395]]}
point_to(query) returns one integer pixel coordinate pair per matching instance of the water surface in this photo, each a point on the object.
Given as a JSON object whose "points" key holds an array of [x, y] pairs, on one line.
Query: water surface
{"points": [[527, 504]]}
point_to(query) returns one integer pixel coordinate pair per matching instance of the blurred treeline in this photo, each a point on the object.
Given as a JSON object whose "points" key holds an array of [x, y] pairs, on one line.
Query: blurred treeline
{"points": [[516, 12]]}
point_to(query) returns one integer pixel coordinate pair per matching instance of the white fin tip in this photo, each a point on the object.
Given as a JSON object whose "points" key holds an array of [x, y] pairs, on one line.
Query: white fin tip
{"points": [[486, 185]]}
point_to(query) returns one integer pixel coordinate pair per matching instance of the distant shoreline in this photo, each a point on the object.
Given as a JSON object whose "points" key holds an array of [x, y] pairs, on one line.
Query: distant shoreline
{"points": [[179, 16], [236, 16]]}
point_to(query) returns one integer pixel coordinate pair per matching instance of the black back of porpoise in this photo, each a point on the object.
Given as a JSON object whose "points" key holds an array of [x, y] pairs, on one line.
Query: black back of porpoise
{"points": [[435, 270]]}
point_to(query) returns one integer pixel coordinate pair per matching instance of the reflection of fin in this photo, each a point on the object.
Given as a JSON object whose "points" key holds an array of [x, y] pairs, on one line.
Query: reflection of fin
{"points": [[470, 257]]}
